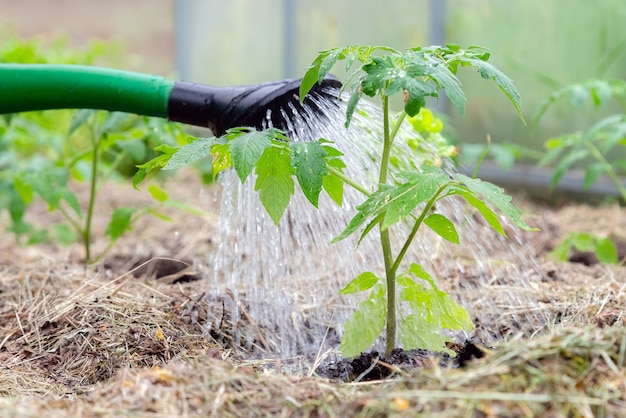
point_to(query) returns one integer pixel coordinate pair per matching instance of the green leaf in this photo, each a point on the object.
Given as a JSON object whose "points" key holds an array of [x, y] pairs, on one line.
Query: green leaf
{"points": [[592, 172], [370, 226], [24, 189], [417, 92], [114, 122], [377, 73], [186, 207], [79, 118], [394, 203], [578, 94], [419, 188], [607, 133], [497, 197], [247, 148], [489, 215], [136, 149], [309, 160], [488, 71], [157, 193], [51, 186], [63, 234], [38, 236], [221, 158], [373, 206], [443, 227], [331, 183], [561, 251], [120, 222], [16, 206], [355, 96], [318, 70], [601, 92], [360, 283], [505, 154], [432, 307], [365, 324], [274, 180], [566, 162], [70, 198], [582, 241], [139, 176], [190, 153], [416, 333], [159, 215], [603, 248], [438, 71], [606, 251], [553, 154]]}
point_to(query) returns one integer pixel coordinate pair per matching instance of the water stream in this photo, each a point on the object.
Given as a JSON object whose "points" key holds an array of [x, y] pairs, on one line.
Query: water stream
{"points": [[282, 283]]}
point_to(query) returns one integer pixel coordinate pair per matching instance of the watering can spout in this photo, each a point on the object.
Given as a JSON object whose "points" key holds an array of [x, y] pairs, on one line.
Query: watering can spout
{"points": [[258, 106], [26, 87]]}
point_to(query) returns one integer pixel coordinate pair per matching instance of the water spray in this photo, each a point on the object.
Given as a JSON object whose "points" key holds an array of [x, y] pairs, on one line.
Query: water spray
{"points": [[27, 87]]}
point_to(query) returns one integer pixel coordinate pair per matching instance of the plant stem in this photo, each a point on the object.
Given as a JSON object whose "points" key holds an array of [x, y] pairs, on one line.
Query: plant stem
{"points": [[71, 220], [385, 242], [481, 157], [348, 180], [416, 226], [384, 163], [397, 125], [92, 196], [607, 167]]}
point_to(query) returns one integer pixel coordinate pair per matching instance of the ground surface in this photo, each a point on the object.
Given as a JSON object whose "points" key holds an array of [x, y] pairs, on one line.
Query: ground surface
{"points": [[98, 341]]}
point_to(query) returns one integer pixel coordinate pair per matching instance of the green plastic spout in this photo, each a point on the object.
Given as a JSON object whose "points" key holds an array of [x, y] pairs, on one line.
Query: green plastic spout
{"points": [[26, 87]]}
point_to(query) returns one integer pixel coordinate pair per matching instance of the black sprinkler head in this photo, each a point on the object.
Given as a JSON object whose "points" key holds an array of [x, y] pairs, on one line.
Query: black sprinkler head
{"points": [[268, 104]]}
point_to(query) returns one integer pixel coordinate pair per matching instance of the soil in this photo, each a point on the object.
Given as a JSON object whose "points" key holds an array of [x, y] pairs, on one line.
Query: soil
{"points": [[373, 365], [129, 336]]}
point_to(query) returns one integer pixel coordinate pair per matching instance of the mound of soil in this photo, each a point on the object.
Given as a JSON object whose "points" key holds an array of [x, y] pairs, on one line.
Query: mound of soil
{"points": [[375, 366]]}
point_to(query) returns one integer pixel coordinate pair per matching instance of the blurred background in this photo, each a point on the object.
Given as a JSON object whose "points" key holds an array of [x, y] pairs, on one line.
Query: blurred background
{"points": [[541, 44]]}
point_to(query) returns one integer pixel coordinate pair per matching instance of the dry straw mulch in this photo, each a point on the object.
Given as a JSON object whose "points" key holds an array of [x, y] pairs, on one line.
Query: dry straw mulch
{"points": [[126, 347], [98, 342]]}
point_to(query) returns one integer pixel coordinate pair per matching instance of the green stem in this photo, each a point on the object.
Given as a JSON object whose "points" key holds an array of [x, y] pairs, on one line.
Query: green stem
{"points": [[348, 180], [385, 241], [384, 163], [416, 226], [71, 220], [397, 125], [92, 196], [481, 158], [607, 167]]}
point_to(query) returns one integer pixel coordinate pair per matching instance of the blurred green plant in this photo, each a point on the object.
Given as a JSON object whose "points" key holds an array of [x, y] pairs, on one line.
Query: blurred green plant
{"points": [[597, 142], [603, 248], [596, 151], [43, 153]]}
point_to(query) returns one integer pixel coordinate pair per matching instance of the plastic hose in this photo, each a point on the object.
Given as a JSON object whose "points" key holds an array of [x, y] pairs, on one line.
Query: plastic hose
{"points": [[26, 87]]}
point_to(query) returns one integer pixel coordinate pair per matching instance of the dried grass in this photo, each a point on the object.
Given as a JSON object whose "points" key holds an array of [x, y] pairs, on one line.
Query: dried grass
{"points": [[77, 342]]}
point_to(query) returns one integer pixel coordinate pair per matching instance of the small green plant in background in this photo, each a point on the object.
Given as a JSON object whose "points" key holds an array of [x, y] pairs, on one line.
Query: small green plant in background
{"points": [[598, 150], [603, 248], [596, 143], [405, 193], [605, 138], [42, 155]]}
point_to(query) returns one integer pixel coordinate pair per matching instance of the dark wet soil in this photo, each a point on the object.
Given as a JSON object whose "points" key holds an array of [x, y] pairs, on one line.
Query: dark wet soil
{"points": [[372, 366], [166, 269]]}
